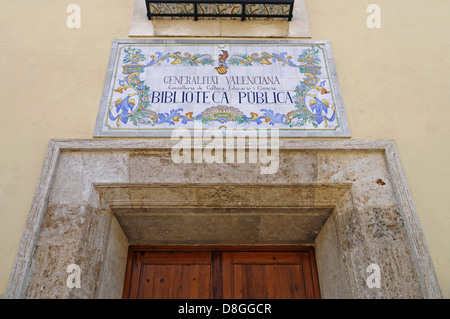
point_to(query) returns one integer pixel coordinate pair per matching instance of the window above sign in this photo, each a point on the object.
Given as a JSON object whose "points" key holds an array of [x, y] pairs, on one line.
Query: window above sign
{"points": [[224, 18], [220, 9]]}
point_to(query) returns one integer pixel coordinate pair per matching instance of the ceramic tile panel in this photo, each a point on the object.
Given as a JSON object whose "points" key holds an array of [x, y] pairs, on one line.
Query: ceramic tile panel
{"points": [[219, 8], [262, 9], [155, 86], [171, 8]]}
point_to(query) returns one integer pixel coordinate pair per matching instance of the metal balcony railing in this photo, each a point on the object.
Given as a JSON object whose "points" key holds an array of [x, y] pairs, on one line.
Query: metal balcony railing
{"points": [[221, 9]]}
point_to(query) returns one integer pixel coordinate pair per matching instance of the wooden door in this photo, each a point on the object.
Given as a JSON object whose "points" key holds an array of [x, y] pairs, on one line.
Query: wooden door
{"points": [[221, 272]]}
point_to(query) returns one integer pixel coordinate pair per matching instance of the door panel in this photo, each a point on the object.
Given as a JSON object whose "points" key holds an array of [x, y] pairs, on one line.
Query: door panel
{"points": [[171, 275], [267, 282], [175, 282], [267, 275], [204, 273]]}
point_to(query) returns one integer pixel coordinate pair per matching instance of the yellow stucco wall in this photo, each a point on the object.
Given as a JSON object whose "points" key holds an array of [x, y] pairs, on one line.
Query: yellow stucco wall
{"points": [[394, 82]]}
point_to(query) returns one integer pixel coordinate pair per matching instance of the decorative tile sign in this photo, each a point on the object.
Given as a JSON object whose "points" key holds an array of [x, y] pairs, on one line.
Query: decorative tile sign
{"points": [[155, 86]]}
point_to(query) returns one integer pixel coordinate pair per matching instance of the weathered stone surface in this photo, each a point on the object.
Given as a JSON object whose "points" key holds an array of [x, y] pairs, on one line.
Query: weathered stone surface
{"points": [[157, 166], [333, 280], [77, 171], [291, 228], [221, 226], [96, 229], [49, 275], [62, 224], [385, 224], [366, 171], [70, 235], [115, 263], [91, 262]]}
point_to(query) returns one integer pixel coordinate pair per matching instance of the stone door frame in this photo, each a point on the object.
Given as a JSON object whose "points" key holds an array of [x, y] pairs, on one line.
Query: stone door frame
{"points": [[92, 194]]}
